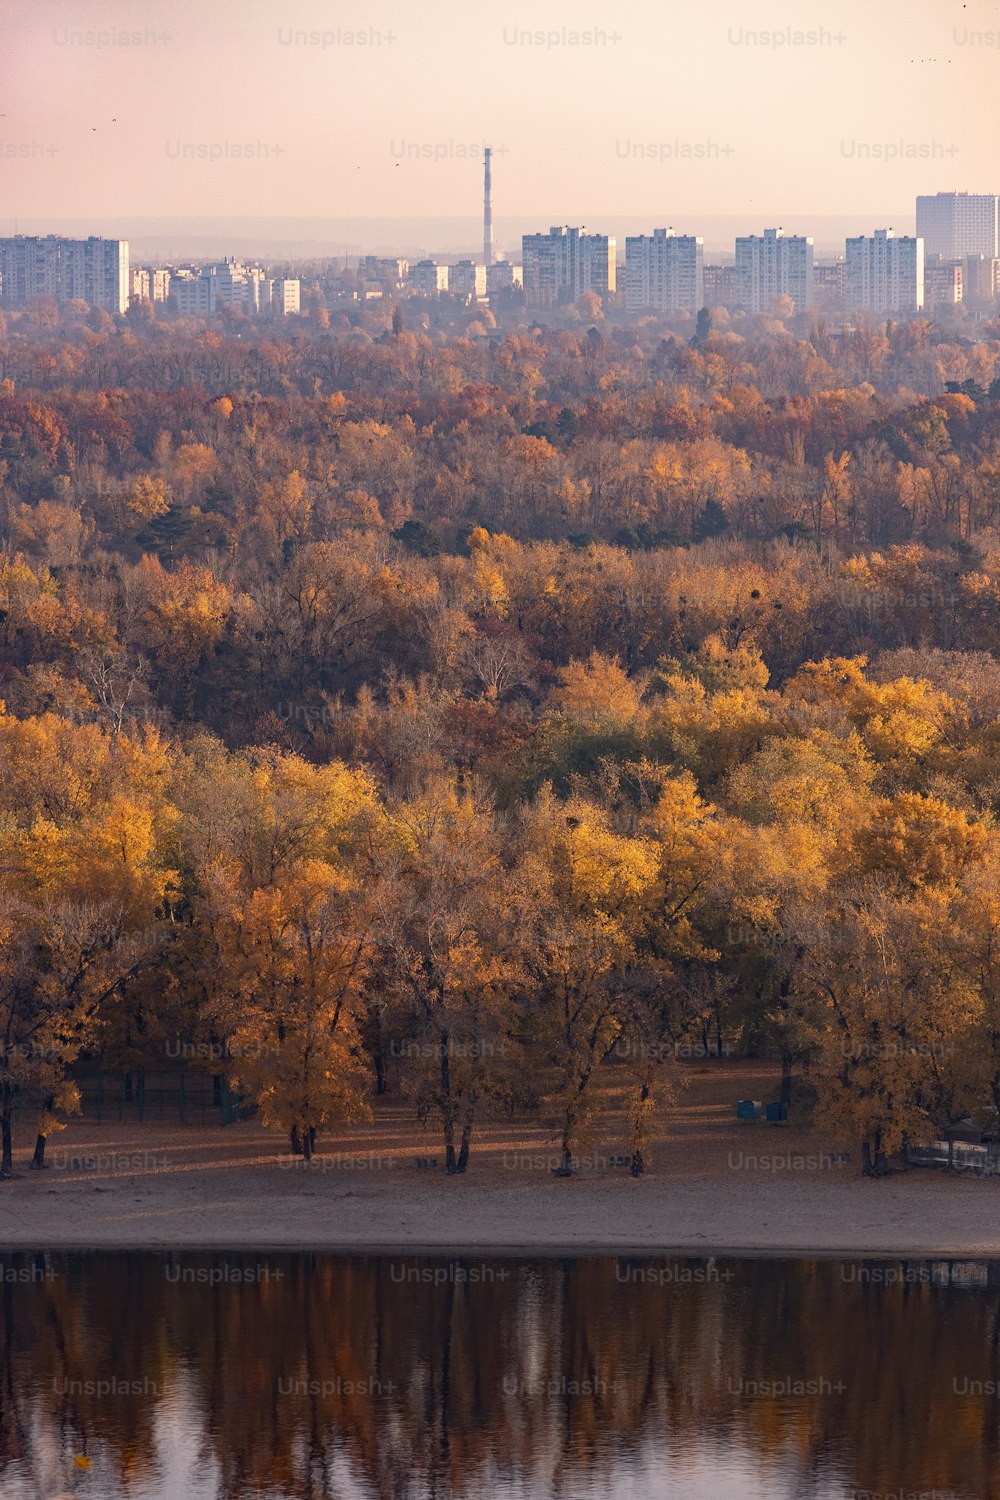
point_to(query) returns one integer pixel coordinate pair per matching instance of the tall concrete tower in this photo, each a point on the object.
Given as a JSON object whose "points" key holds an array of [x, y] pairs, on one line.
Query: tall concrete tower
{"points": [[488, 206]]}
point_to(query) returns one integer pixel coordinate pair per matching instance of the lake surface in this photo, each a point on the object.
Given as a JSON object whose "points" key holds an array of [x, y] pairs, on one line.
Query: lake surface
{"points": [[197, 1377]]}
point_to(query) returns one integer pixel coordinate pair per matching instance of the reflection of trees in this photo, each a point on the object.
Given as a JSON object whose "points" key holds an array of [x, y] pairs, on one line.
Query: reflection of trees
{"points": [[443, 1390]]}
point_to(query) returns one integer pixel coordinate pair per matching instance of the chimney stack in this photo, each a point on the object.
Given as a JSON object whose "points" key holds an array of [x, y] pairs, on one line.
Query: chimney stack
{"points": [[488, 206]]}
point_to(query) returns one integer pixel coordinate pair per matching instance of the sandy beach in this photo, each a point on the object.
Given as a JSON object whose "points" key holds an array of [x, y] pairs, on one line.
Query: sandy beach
{"points": [[714, 1186], [238, 1204]]}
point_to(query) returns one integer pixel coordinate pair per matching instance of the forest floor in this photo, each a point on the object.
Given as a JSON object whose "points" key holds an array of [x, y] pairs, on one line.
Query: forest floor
{"points": [[714, 1185]]}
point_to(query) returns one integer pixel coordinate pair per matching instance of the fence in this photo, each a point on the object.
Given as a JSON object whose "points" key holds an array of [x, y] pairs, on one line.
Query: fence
{"points": [[187, 1097], [956, 1156]]}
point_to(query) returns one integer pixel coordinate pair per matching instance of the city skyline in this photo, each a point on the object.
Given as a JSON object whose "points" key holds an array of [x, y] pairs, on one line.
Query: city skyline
{"points": [[828, 244], [662, 272]]}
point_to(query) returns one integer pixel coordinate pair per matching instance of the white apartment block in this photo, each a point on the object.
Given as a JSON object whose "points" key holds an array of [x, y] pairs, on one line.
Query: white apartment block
{"points": [[467, 279], [956, 225], [238, 285], [664, 272], [229, 283], [428, 278], [148, 285], [193, 294], [94, 271], [501, 276], [771, 265], [226, 284], [981, 277], [884, 274], [284, 295], [563, 264]]}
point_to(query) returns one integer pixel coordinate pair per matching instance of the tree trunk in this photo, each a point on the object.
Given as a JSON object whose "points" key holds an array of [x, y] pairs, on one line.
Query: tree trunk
{"points": [[450, 1157], [6, 1112], [995, 1080], [638, 1165], [882, 1166], [565, 1168], [296, 1141], [38, 1160], [307, 1143], [873, 1158], [447, 1108], [380, 1080], [785, 1097], [463, 1155], [311, 1136]]}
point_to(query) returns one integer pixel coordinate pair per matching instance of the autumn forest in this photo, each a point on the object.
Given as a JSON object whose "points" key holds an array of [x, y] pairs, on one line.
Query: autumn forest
{"points": [[530, 709]]}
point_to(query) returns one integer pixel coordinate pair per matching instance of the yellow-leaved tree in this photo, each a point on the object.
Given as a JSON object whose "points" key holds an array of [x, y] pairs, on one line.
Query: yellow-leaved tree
{"points": [[892, 992], [451, 924], [593, 896], [278, 937], [86, 885]]}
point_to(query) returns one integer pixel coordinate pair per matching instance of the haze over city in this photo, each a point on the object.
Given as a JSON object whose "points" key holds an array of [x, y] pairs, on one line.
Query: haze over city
{"points": [[374, 121]]}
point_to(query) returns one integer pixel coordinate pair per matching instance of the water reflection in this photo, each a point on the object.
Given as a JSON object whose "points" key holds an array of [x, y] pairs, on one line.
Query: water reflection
{"points": [[315, 1376]]}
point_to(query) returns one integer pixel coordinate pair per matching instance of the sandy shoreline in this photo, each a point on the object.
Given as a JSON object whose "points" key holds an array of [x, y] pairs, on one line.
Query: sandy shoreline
{"points": [[184, 1195], [714, 1187], [425, 1223]]}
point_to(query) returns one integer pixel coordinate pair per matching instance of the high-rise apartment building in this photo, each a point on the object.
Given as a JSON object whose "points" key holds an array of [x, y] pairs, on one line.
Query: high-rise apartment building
{"points": [[283, 295], [193, 293], [230, 283], [150, 284], [94, 271], [956, 225], [828, 285], [428, 278], [467, 279], [502, 276], [721, 288], [884, 274], [981, 279], [664, 272], [237, 285], [943, 285], [771, 265], [563, 264]]}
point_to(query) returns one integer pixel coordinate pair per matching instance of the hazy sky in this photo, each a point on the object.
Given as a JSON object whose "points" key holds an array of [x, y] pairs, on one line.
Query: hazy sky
{"points": [[670, 111]]}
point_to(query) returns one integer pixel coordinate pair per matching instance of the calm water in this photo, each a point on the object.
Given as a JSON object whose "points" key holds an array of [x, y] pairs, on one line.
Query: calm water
{"points": [[201, 1376]]}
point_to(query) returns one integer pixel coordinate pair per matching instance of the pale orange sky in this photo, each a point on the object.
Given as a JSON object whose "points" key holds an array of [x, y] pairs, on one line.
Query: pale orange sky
{"points": [[777, 127]]}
